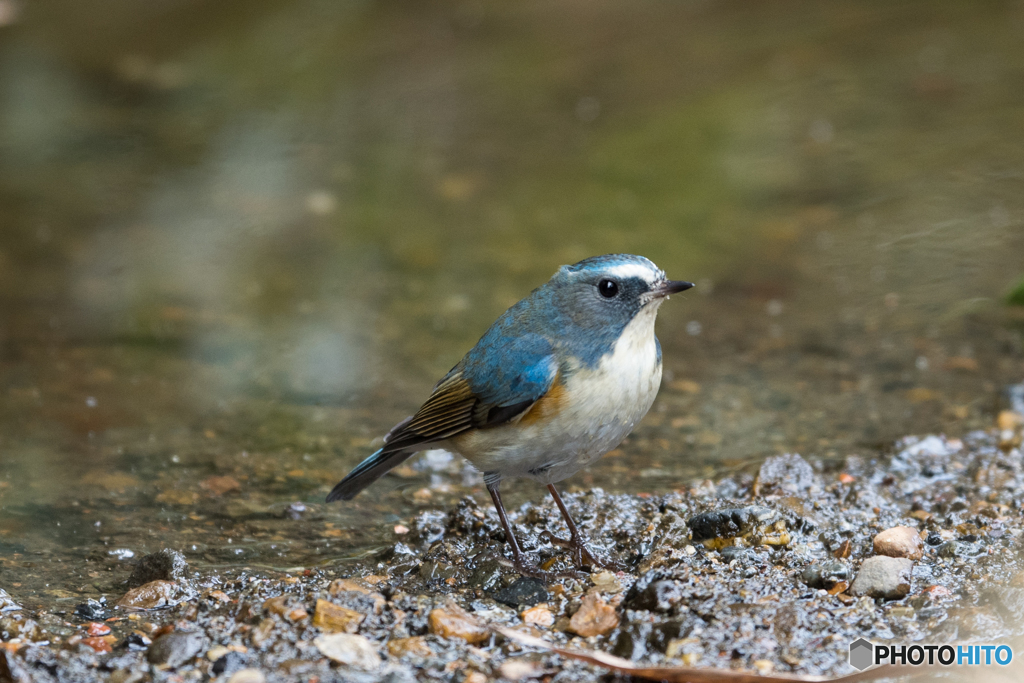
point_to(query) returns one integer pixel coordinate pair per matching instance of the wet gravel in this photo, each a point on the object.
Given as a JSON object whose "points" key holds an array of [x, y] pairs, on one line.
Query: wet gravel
{"points": [[777, 569]]}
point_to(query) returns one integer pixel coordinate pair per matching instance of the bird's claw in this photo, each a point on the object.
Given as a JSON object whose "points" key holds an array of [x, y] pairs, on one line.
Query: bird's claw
{"points": [[525, 568], [582, 556]]}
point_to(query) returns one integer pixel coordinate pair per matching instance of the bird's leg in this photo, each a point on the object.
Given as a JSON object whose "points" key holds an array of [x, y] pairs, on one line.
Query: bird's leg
{"points": [[518, 556], [581, 553]]}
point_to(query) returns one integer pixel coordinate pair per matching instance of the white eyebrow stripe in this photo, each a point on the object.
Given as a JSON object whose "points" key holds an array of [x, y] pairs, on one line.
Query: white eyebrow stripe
{"points": [[627, 270]]}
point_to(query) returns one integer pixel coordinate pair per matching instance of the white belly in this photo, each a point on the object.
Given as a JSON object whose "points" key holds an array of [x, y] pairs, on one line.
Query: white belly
{"points": [[601, 406]]}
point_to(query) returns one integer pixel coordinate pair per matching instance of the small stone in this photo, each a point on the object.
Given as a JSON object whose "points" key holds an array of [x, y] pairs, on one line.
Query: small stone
{"points": [[606, 582], [517, 670], [784, 474], [733, 552], [335, 618], [475, 677], [171, 650], [97, 629], [899, 541], [883, 577], [455, 623], [363, 586], [149, 596], [164, 565], [262, 633], [349, 649], [284, 607], [415, 646], [247, 676], [595, 617], [539, 616], [523, 592], [230, 662], [1009, 420], [91, 609], [7, 604], [100, 644], [825, 575], [216, 652], [764, 666], [754, 525], [659, 595]]}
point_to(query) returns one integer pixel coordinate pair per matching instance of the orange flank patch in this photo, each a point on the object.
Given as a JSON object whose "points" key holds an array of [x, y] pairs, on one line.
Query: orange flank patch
{"points": [[548, 405]]}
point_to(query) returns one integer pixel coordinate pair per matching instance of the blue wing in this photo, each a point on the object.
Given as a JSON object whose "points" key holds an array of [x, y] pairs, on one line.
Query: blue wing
{"points": [[499, 379]]}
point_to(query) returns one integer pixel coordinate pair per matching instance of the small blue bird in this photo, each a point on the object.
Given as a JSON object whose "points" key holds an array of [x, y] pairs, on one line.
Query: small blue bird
{"points": [[556, 382]]}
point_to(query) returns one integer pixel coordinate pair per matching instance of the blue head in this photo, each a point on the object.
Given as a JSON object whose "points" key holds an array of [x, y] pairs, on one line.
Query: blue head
{"points": [[588, 305], [609, 291]]}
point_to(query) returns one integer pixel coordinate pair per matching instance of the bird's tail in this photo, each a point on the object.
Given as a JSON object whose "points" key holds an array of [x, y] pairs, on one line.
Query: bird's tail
{"points": [[367, 472]]}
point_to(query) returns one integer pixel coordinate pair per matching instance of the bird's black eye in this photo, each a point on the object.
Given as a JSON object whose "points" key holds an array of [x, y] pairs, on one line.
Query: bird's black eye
{"points": [[608, 288]]}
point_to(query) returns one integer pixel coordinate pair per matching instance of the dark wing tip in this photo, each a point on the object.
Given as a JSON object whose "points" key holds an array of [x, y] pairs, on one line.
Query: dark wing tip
{"points": [[340, 492]]}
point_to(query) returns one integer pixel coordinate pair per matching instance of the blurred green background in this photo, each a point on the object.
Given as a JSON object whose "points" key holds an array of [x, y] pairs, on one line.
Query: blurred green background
{"points": [[242, 239]]}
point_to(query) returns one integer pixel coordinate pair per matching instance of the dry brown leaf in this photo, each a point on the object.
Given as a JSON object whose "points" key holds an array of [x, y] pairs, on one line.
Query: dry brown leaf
{"points": [[685, 674]]}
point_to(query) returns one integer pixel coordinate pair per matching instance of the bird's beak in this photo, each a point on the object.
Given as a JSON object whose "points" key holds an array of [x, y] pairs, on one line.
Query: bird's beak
{"points": [[668, 287]]}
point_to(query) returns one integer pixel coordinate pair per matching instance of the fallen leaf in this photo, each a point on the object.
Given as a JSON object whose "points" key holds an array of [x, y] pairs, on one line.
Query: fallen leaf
{"points": [[685, 674]]}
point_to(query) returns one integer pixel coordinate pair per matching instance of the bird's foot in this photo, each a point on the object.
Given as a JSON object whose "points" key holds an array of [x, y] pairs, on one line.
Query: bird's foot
{"points": [[582, 557], [524, 566]]}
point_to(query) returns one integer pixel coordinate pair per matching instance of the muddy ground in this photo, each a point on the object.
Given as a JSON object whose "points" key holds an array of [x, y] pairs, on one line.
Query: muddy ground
{"points": [[773, 570]]}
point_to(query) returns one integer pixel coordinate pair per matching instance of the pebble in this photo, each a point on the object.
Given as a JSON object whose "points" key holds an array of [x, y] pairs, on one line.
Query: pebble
{"points": [[230, 662], [415, 646], [454, 623], [91, 609], [335, 618], [787, 474], [216, 652], [899, 541], [753, 525], [523, 592], [349, 649], [7, 603], [1009, 420], [171, 650], [97, 629], [100, 644], [595, 617], [284, 607], [517, 670], [606, 582], [539, 616], [363, 586], [164, 565], [733, 552], [825, 574], [883, 577], [660, 595], [247, 676], [149, 596]]}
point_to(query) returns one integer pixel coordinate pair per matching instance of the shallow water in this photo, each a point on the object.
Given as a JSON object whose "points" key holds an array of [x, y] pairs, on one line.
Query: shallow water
{"points": [[239, 241]]}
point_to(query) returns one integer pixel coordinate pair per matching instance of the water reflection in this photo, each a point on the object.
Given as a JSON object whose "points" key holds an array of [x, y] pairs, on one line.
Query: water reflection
{"points": [[243, 241]]}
